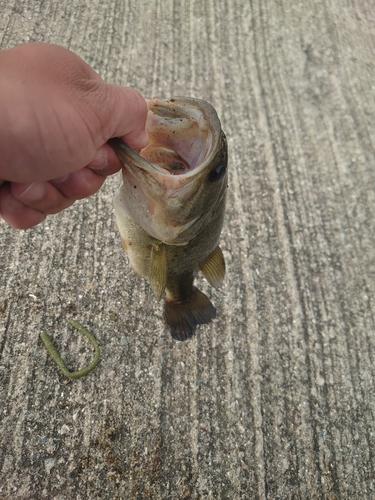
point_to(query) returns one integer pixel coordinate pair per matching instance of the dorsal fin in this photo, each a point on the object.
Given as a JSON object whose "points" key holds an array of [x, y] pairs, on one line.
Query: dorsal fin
{"points": [[158, 269], [213, 268]]}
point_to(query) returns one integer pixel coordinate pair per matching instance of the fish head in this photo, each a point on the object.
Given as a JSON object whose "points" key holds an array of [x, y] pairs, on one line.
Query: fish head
{"points": [[176, 185]]}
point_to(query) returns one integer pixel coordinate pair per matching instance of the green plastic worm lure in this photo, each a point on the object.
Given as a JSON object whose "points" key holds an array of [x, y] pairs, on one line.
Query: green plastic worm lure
{"points": [[53, 352]]}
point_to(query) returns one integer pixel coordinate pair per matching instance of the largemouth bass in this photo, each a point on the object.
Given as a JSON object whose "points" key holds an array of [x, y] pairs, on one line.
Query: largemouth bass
{"points": [[170, 208]]}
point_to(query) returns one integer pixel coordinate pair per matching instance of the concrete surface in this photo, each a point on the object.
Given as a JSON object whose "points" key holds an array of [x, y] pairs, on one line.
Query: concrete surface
{"points": [[275, 399]]}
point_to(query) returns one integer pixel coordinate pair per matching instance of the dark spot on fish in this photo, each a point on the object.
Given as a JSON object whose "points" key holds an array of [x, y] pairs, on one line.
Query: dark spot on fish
{"points": [[135, 187], [217, 173], [172, 100]]}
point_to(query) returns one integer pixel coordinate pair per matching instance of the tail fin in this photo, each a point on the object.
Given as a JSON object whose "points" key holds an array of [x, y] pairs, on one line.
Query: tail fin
{"points": [[183, 317]]}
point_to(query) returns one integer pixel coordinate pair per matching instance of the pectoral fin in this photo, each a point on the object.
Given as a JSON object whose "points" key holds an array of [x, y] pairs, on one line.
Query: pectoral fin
{"points": [[158, 270], [213, 268]]}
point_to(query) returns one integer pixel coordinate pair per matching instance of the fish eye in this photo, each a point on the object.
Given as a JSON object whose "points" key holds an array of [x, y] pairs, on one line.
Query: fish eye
{"points": [[217, 173]]}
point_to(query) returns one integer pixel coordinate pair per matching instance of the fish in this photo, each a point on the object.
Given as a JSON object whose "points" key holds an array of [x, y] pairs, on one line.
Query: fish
{"points": [[170, 207]]}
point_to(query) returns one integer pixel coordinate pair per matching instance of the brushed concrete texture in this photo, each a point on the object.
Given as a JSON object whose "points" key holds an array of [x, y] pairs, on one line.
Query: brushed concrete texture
{"points": [[275, 399]]}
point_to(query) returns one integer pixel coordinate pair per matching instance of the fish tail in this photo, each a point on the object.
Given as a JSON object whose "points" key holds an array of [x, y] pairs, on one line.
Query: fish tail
{"points": [[182, 317]]}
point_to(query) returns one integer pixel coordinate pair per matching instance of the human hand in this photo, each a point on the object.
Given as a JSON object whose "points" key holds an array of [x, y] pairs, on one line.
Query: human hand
{"points": [[56, 117]]}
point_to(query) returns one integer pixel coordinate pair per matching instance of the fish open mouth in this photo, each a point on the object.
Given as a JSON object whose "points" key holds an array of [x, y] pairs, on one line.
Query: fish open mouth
{"points": [[180, 136]]}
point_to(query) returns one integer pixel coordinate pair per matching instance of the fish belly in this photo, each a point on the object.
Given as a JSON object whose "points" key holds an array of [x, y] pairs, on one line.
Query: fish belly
{"points": [[136, 241]]}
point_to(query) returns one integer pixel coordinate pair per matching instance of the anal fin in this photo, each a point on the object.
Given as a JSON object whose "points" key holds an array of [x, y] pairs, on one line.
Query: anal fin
{"points": [[213, 268], [158, 270]]}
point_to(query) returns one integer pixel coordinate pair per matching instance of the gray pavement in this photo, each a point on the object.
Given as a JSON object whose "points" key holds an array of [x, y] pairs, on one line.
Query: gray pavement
{"points": [[275, 399]]}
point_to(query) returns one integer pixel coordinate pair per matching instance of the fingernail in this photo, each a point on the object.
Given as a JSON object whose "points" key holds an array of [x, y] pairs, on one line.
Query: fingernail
{"points": [[59, 180], [14, 203], [99, 162], [32, 193]]}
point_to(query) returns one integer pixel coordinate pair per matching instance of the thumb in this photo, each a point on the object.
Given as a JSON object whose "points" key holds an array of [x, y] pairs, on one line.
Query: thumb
{"points": [[122, 112]]}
